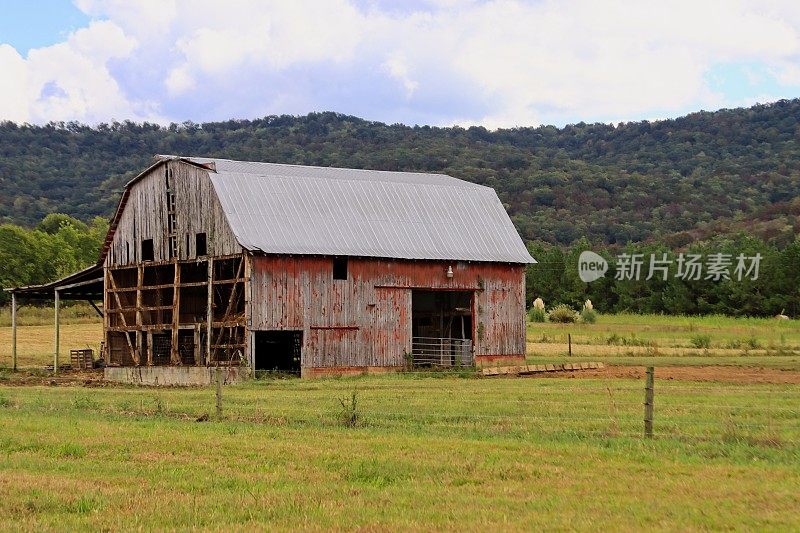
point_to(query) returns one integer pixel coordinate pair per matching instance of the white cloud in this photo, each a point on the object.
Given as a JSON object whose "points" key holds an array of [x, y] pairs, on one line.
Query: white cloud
{"points": [[13, 85], [397, 67], [499, 63]]}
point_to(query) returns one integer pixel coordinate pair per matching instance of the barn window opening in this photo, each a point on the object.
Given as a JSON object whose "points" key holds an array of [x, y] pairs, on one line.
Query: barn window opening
{"points": [[200, 244], [147, 250], [278, 351], [339, 268]]}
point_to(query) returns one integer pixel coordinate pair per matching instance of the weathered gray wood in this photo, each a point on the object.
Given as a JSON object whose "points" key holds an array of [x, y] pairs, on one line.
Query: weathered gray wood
{"points": [[175, 356], [209, 310], [140, 338], [197, 210]]}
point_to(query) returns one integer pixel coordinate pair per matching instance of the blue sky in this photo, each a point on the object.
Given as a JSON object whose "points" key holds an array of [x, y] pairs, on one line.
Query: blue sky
{"points": [[498, 63], [27, 24]]}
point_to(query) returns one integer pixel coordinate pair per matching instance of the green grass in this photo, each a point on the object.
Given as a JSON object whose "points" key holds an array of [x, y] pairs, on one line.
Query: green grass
{"points": [[429, 453], [43, 315]]}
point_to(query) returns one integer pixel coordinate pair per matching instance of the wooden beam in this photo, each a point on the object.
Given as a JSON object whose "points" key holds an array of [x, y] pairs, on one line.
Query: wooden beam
{"points": [[174, 354], [248, 349], [133, 352], [141, 336], [209, 310], [231, 299], [99, 311]]}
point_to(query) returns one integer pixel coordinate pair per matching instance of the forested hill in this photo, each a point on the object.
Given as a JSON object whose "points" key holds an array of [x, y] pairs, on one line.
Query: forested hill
{"points": [[671, 180]]}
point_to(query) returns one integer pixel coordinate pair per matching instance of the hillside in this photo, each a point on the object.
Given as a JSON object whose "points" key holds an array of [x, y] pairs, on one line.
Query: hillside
{"points": [[669, 180]]}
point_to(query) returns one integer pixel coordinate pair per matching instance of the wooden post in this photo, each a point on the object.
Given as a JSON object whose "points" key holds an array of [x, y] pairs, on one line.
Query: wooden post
{"points": [[219, 392], [648, 403], [13, 332], [569, 343], [175, 357], [57, 338], [140, 335]]}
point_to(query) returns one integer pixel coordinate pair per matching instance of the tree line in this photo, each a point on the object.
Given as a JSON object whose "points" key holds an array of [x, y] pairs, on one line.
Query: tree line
{"points": [[773, 289], [680, 180], [56, 247]]}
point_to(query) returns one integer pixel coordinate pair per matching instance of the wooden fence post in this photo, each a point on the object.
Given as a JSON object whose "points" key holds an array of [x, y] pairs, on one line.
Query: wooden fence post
{"points": [[13, 332], [57, 336], [219, 392], [569, 343], [648, 403]]}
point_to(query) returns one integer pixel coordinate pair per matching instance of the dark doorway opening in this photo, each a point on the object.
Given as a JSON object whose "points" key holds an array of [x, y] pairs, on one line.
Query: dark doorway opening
{"points": [[441, 314], [278, 351], [441, 328]]}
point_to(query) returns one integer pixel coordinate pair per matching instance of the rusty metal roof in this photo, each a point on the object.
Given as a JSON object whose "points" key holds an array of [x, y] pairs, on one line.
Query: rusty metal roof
{"points": [[292, 209]]}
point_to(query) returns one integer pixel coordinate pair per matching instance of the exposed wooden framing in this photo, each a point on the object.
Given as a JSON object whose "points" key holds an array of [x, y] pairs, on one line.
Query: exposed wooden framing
{"points": [[228, 308], [149, 347], [139, 336], [209, 310], [247, 293], [106, 317], [134, 355], [184, 261], [175, 356], [196, 329], [99, 311]]}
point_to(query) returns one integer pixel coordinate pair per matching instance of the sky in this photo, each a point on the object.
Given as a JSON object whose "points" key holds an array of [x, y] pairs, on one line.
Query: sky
{"points": [[496, 63]]}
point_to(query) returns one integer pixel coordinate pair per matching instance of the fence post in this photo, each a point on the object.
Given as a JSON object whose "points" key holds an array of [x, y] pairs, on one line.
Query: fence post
{"points": [[219, 392], [648, 403], [57, 336], [13, 332], [569, 343]]}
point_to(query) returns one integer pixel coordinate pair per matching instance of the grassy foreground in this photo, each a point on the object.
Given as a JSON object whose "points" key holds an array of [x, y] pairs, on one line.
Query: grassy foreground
{"points": [[426, 452]]}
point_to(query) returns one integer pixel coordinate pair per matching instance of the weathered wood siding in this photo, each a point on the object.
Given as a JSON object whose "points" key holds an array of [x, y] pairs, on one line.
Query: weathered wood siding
{"points": [[366, 319], [197, 210]]}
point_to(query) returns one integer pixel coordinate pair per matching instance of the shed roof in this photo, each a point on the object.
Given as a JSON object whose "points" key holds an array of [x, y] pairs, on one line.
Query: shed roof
{"points": [[292, 209]]}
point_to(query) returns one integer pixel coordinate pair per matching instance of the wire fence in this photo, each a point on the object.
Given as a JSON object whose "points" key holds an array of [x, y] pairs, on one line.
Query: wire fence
{"points": [[448, 403], [749, 413]]}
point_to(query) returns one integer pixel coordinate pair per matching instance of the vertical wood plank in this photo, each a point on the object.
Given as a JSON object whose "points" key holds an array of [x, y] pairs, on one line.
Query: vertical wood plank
{"points": [[175, 356]]}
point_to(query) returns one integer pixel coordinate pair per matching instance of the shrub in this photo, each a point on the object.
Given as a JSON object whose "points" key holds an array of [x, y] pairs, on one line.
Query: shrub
{"points": [[537, 315], [563, 314], [701, 341], [588, 316], [350, 416]]}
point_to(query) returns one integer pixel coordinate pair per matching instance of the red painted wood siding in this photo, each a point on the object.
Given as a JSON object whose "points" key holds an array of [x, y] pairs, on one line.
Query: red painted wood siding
{"points": [[366, 319]]}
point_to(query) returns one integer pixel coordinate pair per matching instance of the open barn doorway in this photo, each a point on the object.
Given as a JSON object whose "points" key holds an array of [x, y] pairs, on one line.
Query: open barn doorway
{"points": [[277, 351], [441, 327]]}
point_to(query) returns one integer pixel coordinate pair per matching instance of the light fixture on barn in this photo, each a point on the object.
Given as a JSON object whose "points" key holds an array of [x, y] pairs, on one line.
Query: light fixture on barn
{"points": [[450, 271]]}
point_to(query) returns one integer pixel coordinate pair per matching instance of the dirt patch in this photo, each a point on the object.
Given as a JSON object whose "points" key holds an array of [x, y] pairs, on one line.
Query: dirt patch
{"points": [[727, 374], [69, 378]]}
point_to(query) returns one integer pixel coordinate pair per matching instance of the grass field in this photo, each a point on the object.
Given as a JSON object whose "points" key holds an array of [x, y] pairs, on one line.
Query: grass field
{"points": [[615, 339], [426, 451], [429, 452]]}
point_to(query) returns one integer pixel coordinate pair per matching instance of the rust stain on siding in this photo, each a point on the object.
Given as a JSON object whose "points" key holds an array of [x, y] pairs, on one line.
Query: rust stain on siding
{"points": [[365, 320]]}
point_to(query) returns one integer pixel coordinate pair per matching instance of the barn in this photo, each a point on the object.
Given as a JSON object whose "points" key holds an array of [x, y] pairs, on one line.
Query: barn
{"points": [[310, 270]]}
